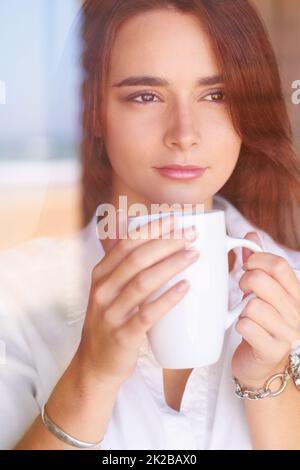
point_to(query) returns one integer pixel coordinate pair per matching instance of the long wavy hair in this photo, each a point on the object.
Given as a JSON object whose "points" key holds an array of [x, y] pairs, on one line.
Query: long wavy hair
{"points": [[265, 184]]}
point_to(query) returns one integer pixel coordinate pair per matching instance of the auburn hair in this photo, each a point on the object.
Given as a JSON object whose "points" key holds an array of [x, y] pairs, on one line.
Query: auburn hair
{"points": [[265, 184]]}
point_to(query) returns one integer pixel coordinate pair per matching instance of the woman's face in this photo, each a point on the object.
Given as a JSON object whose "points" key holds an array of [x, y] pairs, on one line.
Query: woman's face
{"points": [[176, 122]]}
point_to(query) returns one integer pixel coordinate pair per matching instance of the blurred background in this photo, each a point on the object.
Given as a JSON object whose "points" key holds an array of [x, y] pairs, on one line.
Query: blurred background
{"points": [[40, 79]]}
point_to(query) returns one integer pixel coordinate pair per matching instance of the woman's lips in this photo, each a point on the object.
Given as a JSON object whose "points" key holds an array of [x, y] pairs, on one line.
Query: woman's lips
{"points": [[181, 173]]}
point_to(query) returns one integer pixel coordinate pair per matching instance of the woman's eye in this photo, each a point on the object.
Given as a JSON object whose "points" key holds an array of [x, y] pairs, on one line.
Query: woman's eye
{"points": [[149, 99], [218, 96]]}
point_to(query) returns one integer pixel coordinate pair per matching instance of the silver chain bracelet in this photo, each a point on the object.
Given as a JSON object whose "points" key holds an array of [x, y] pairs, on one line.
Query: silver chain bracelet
{"points": [[291, 371], [252, 393], [63, 436]]}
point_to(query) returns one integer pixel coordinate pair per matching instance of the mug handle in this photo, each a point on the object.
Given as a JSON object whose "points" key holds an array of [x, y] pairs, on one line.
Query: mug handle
{"points": [[235, 243]]}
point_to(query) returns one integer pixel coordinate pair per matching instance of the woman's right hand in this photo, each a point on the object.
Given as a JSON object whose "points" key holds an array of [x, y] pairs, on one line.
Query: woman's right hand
{"points": [[115, 325], [117, 318]]}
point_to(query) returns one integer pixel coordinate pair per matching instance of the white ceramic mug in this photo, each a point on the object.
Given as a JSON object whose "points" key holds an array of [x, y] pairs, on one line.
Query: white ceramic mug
{"points": [[191, 334]]}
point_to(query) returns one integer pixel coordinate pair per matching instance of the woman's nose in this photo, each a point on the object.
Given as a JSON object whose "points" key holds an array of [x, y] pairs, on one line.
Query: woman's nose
{"points": [[182, 129]]}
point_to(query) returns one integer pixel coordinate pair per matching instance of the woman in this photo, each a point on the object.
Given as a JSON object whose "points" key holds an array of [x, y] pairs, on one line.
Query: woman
{"points": [[167, 82]]}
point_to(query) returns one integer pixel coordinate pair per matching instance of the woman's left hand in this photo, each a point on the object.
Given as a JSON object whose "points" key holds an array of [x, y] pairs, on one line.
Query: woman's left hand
{"points": [[270, 323]]}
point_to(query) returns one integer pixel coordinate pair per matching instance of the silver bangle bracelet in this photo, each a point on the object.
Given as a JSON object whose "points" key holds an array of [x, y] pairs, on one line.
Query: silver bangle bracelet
{"points": [[63, 436]]}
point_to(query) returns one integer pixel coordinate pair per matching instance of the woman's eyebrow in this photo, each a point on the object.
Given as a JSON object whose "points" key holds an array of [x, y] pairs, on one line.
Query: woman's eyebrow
{"points": [[149, 80]]}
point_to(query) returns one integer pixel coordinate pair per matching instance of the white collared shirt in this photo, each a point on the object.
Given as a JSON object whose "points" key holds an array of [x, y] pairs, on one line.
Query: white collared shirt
{"points": [[44, 288]]}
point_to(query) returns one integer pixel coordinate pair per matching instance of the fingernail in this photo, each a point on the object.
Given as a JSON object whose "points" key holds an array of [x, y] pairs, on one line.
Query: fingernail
{"points": [[190, 244], [190, 233], [245, 267], [182, 286], [192, 254]]}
